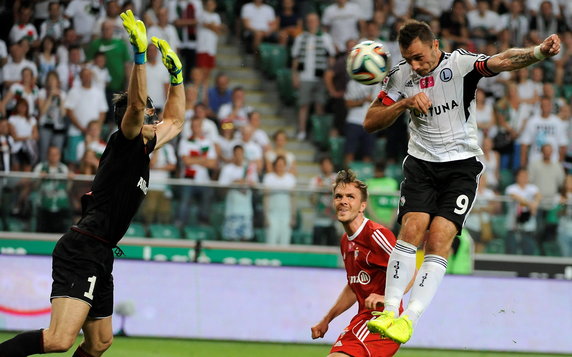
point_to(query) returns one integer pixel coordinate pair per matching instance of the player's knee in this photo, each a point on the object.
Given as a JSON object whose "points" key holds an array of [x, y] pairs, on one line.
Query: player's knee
{"points": [[59, 344], [101, 345]]}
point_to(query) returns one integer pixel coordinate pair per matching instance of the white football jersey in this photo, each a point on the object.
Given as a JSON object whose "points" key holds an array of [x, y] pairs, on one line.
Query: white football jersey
{"points": [[449, 131]]}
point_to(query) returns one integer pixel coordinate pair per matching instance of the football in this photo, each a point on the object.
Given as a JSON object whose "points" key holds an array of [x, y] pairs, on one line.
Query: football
{"points": [[368, 62]]}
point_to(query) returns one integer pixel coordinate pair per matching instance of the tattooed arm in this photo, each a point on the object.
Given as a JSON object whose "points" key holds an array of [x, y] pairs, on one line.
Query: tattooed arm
{"points": [[516, 58]]}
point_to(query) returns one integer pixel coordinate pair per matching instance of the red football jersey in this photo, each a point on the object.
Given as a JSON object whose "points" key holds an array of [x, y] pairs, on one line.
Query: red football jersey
{"points": [[365, 256]]}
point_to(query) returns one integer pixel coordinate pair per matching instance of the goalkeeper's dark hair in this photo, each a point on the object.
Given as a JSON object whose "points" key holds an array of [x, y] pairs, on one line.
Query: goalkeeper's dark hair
{"points": [[119, 102], [348, 177], [413, 29]]}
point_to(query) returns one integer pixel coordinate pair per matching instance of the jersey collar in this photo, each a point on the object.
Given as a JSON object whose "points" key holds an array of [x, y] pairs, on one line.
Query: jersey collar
{"points": [[353, 236]]}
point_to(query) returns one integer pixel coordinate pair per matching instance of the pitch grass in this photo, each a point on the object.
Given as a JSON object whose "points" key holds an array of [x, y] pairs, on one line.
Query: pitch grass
{"points": [[162, 347]]}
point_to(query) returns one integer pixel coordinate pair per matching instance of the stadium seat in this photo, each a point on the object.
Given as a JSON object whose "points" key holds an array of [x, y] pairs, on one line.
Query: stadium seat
{"points": [[166, 231], [136, 230], [288, 94], [506, 179], [498, 223], [260, 235], [272, 58], [567, 91], [200, 233], [336, 144], [363, 170], [14, 224], [495, 246], [301, 237], [551, 249], [321, 126]]}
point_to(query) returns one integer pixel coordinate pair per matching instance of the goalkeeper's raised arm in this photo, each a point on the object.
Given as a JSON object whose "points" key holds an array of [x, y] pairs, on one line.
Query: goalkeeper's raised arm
{"points": [[174, 113]]}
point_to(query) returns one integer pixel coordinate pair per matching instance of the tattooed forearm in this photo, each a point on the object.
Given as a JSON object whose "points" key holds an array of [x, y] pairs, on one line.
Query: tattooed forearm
{"points": [[512, 59]]}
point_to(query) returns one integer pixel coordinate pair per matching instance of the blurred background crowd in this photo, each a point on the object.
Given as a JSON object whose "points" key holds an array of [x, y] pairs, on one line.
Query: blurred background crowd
{"points": [[245, 179]]}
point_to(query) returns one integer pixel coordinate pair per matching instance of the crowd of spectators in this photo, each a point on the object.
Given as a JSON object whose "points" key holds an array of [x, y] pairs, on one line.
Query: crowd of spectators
{"points": [[62, 61]]}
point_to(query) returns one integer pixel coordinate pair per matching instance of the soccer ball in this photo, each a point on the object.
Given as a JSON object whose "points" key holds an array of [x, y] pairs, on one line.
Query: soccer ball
{"points": [[368, 62]]}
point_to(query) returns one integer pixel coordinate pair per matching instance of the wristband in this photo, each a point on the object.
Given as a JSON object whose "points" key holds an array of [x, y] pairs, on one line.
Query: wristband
{"points": [[538, 53], [140, 57], [177, 77]]}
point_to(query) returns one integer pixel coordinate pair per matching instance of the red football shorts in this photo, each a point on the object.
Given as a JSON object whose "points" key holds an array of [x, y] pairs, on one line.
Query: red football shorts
{"points": [[357, 341], [204, 60]]}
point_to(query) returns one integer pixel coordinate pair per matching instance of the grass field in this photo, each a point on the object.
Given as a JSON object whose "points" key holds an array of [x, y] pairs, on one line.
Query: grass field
{"points": [[161, 347]]}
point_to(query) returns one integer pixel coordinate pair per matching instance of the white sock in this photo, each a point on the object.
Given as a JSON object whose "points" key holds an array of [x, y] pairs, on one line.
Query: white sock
{"points": [[400, 270], [426, 283]]}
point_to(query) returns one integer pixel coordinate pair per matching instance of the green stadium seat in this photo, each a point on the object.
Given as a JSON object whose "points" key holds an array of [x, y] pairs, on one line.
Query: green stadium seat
{"points": [[200, 233], [506, 179], [337, 144], [551, 249], [321, 127], [136, 230], [14, 224], [495, 246], [363, 170], [272, 58], [498, 223], [380, 153], [567, 91], [301, 237], [288, 94], [166, 231], [394, 171], [260, 235]]}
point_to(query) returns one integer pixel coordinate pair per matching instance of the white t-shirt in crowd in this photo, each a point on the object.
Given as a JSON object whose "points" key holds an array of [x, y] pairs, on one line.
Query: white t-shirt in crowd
{"points": [[166, 156], [540, 131], [157, 78], [258, 16], [83, 19], [85, 110], [357, 91], [167, 33], [195, 148], [206, 38], [343, 23], [23, 128], [12, 71]]}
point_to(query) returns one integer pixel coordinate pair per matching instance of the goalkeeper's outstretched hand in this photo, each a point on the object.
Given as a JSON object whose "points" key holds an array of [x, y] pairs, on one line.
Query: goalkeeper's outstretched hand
{"points": [[170, 60], [136, 30]]}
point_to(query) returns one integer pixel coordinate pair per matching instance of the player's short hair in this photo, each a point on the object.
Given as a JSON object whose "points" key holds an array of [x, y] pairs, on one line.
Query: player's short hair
{"points": [[119, 102], [348, 177], [413, 29]]}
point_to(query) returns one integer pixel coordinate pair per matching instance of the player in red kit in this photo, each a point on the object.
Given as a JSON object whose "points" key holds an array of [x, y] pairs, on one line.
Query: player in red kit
{"points": [[365, 247]]}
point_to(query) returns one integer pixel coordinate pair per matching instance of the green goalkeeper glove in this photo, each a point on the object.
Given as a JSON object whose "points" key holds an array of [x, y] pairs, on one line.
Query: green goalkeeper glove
{"points": [[170, 60], [137, 35]]}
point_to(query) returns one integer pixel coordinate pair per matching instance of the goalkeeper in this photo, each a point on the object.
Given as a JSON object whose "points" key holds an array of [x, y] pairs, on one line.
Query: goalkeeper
{"points": [[82, 289]]}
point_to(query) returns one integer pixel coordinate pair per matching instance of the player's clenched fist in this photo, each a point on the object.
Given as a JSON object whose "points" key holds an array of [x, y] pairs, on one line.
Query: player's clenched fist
{"points": [[550, 46], [319, 330], [170, 60], [136, 30]]}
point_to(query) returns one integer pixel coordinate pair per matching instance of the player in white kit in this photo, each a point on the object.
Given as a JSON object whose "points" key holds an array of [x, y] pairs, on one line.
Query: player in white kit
{"points": [[441, 170]]}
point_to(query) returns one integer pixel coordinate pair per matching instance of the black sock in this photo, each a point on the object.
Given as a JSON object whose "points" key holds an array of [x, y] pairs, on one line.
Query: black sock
{"points": [[80, 352], [25, 344]]}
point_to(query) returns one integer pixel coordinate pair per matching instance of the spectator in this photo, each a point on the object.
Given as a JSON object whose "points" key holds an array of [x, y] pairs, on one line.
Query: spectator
{"points": [[280, 139], [3, 60], [69, 71], [208, 127], [55, 25], [219, 94], [198, 156], [54, 206], [547, 21], [157, 78], [239, 212], [516, 22], [427, 10], [312, 53], [491, 160], [486, 121], [191, 101], [521, 222], [455, 25], [565, 115], [545, 128], [259, 136], [24, 132], [236, 110], [336, 79], [12, 71], [46, 58], [252, 151], [512, 115], [208, 29], [84, 14], [289, 23], [383, 197], [479, 221], [563, 70], [112, 11], [259, 23], [80, 112], [117, 55], [344, 21], [484, 23], [87, 166], [164, 30], [24, 29], [52, 128], [92, 142], [324, 231], [199, 84], [549, 91], [102, 78], [548, 176], [186, 23], [564, 233], [279, 207], [226, 142], [26, 90], [6, 143], [359, 143], [69, 40], [156, 207], [151, 15]]}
